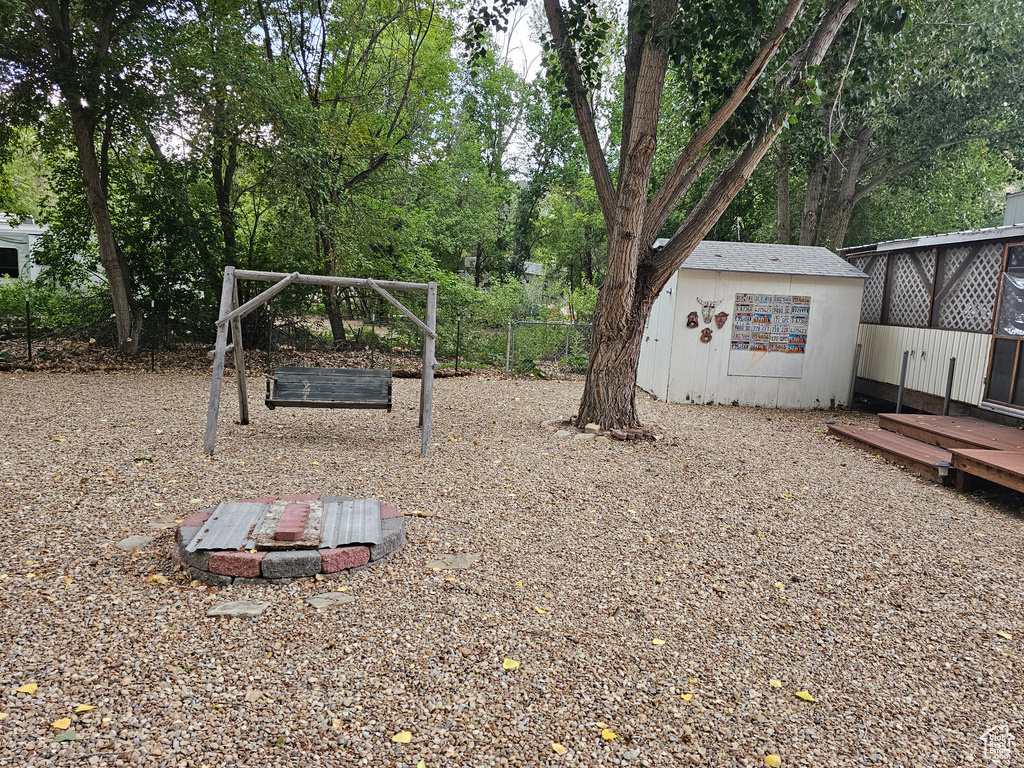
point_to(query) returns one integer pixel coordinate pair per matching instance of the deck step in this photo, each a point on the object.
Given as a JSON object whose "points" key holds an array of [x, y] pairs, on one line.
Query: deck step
{"points": [[953, 432], [917, 457], [1005, 468]]}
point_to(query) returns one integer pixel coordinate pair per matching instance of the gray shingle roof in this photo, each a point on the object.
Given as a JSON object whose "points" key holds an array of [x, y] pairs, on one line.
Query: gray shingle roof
{"points": [[767, 258]]}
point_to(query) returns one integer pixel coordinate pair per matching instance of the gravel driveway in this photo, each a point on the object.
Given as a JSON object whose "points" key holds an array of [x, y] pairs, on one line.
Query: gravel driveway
{"points": [[665, 601]]}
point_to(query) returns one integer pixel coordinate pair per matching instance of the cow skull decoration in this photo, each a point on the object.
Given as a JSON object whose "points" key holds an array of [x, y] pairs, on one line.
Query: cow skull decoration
{"points": [[706, 308]]}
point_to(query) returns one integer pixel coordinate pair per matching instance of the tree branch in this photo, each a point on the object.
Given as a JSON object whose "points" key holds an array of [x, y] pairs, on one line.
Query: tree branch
{"points": [[669, 194], [584, 116]]}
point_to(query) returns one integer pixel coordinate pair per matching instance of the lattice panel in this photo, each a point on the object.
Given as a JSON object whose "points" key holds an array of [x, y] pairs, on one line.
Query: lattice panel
{"points": [[874, 287], [970, 305], [910, 297]]}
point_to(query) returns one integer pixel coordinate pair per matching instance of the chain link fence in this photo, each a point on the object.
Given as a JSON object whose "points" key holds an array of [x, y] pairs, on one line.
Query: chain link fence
{"points": [[77, 331]]}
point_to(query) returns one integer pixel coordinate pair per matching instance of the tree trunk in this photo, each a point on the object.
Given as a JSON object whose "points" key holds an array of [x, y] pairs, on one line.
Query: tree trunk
{"points": [[335, 316], [782, 187], [127, 313], [837, 209], [812, 197], [609, 397], [478, 267], [223, 167]]}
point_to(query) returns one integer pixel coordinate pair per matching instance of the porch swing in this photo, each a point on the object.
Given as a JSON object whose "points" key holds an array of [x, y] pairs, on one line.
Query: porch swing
{"points": [[293, 386], [300, 387]]}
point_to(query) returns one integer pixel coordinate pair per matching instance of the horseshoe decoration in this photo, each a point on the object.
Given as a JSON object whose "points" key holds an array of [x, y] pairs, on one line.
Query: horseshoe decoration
{"points": [[705, 335]]}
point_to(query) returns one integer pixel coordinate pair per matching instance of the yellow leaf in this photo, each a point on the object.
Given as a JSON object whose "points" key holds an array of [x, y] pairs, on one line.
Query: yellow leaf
{"points": [[402, 737], [28, 688], [607, 734], [195, 501], [421, 764], [81, 710], [805, 696], [3, 715], [1005, 635], [558, 749], [772, 761], [510, 664], [779, 585], [775, 683], [519, 583], [600, 725], [656, 641], [687, 696], [62, 724]]}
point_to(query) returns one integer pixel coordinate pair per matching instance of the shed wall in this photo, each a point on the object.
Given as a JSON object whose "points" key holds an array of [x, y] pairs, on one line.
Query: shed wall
{"points": [[652, 371], [881, 358], [698, 372]]}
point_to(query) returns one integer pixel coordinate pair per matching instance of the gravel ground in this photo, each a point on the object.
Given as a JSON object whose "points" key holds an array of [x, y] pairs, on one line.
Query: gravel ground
{"points": [[769, 559]]}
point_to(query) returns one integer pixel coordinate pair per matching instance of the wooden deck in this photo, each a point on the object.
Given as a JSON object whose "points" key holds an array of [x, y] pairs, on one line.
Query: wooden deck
{"points": [[920, 442], [954, 431], [1005, 468], [920, 458]]}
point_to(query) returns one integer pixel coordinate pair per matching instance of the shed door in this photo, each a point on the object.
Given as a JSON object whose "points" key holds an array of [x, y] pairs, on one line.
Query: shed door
{"points": [[1006, 369]]}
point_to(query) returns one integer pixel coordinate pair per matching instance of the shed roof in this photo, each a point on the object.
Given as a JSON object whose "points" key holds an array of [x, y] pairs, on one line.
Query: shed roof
{"points": [[1006, 232], [768, 258]]}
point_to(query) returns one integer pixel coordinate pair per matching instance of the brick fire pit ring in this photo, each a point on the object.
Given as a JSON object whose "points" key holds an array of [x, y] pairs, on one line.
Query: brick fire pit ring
{"points": [[278, 539]]}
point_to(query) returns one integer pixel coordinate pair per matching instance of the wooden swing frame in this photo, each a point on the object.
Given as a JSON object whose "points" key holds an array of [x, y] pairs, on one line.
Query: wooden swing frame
{"points": [[231, 315]]}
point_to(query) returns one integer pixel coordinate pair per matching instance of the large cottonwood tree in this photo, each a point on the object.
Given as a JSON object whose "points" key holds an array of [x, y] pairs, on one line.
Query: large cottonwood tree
{"points": [[734, 45]]}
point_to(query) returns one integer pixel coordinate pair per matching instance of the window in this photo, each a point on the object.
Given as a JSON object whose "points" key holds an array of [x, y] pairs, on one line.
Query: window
{"points": [[8, 262]]}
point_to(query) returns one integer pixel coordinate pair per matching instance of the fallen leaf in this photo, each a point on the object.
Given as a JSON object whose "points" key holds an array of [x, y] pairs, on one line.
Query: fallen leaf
{"points": [[62, 724], [510, 664], [421, 764], [607, 734], [558, 749], [775, 683], [402, 737], [687, 696], [692, 681], [29, 688], [772, 761], [600, 725], [656, 641], [82, 709], [195, 501], [1005, 635], [779, 585], [336, 723], [68, 735], [805, 696], [3, 715]]}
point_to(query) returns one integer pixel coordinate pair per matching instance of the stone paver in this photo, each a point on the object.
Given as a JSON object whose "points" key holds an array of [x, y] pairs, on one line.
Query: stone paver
{"points": [[238, 608], [458, 562], [329, 599], [134, 542]]}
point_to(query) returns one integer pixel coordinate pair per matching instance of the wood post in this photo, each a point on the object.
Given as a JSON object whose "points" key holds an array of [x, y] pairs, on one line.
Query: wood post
{"points": [[236, 343], [427, 377], [220, 352]]}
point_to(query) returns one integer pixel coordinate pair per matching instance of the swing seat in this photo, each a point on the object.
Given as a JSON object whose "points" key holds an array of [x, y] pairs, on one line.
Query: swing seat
{"points": [[295, 387]]}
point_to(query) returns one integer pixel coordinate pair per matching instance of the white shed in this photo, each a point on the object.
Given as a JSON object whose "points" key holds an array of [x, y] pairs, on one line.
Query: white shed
{"points": [[776, 326]]}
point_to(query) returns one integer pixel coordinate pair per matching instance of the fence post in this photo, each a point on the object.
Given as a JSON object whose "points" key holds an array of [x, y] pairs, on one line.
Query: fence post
{"points": [[567, 326], [949, 386], [903, 381], [458, 340], [508, 348], [28, 328]]}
